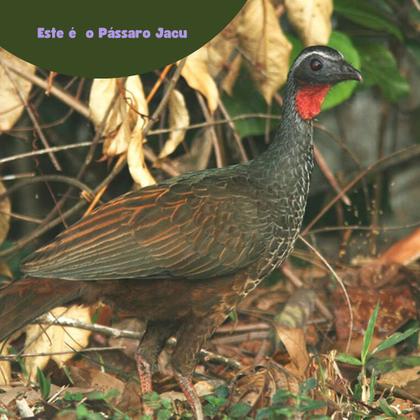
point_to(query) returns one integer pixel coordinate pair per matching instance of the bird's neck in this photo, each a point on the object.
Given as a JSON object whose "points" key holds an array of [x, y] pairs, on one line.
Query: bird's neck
{"points": [[288, 160]]}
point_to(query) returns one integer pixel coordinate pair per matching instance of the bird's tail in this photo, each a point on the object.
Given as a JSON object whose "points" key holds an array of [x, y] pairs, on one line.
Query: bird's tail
{"points": [[23, 301]]}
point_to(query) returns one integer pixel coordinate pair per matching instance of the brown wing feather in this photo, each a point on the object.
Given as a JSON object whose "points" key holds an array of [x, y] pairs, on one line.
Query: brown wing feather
{"points": [[180, 230]]}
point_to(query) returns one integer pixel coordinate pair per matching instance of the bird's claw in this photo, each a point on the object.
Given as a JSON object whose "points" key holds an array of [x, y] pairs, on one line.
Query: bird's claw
{"points": [[145, 376], [191, 395]]}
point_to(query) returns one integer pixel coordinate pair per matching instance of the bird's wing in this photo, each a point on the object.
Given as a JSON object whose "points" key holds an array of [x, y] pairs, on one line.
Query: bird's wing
{"points": [[179, 230]]}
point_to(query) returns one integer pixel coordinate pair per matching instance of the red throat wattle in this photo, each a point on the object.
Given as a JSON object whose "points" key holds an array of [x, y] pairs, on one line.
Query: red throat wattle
{"points": [[309, 100]]}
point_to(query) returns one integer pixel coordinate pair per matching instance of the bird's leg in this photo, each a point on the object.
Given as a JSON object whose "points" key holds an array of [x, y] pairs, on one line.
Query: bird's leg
{"points": [[144, 370], [150, 346], [191, 395], [190, 338]]}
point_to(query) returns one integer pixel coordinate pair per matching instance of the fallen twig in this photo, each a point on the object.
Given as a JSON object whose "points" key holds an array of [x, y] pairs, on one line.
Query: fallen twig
{"points": [[325, 169], [14, 357], [205, 355], [31, 114]]}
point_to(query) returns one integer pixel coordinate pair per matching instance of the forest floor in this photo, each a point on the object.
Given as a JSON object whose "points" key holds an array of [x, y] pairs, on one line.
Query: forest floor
{"points": [[293, 349]]}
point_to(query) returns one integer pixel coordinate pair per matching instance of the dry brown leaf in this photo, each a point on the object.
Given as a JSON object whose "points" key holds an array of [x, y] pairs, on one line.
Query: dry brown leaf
{"points": [[197, 75], [403, 378], [294, 341], [356, 346], [89, 377], [325, 369], [130, 402], [221, 47], [250, 388], [202, 388], [265, 46], [5, 272], [397, 307], [117, 127], [405, 251], [53, 339], [124, 125], [129, 346], [102, 92], [136, 163], [210, 60], [232, 74], [257, 386], [312, 19], [136, 101], [135, 155], [198, 156], [5, 368], [126, 112], [9, 395], [11, 105], [178, 117], [5, 209]]}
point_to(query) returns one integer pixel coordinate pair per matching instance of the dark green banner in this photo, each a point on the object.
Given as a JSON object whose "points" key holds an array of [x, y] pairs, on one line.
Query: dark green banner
{"points": [[95, 38]]}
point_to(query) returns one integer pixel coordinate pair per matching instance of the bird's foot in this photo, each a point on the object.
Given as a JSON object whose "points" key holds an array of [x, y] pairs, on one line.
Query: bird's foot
{"points": [[145, 376], [191, 395]]}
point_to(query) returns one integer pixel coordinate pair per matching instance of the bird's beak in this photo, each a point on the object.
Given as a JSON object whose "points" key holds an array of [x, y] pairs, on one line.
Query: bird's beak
{"points": [[348, 72]]}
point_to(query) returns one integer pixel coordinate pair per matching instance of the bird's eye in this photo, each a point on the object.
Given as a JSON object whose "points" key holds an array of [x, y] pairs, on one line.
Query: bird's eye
{"points": [[315, 64]]}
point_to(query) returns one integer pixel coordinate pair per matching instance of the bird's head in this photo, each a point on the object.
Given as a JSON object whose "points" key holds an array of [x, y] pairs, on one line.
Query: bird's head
{"points": [[313, 73]]}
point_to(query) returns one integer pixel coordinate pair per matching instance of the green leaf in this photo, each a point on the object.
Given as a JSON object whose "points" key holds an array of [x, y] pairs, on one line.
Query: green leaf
{"points": [[297, 47], [210, 410], [311, 405], [152, 399], [270, 413], [342, 91], [73, 396], [215, 401], [44, 384], [372, 387], [366, 14], [222, 391], [386, 408], [281, 396], [264, 413], [308, 385], [394, 339], [246, 99], [357, 392], [166, 403], [164, 414], [379, 67], [346, 358], [233, 315], [239, 410], [393, 364], [240, 104], [414, 50], [95, 395], [367, 339], [82, 413]]}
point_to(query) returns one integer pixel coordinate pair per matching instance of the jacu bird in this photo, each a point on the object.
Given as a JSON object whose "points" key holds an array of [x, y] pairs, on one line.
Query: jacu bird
{"points": [[183, 253]]}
